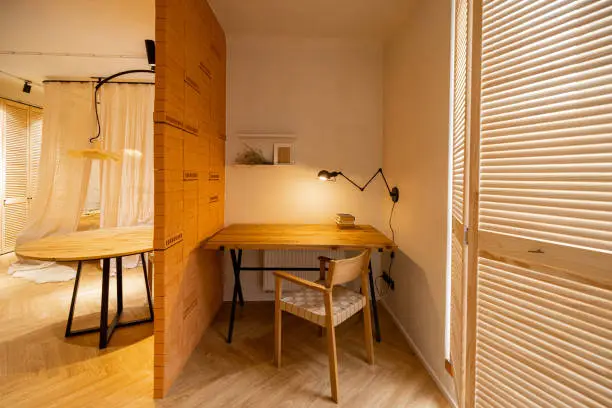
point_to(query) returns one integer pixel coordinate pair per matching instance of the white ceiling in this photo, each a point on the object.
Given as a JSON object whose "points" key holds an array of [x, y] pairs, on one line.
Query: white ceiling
{"points": [[108, 27], [371, 19], [119, 27]]}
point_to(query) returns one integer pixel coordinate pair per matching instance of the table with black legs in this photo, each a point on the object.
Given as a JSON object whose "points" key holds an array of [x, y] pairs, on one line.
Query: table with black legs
{"points": [[239, 237], [101, 244]]}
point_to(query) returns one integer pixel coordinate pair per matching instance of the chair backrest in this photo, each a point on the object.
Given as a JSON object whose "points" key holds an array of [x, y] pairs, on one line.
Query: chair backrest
{"points": [[346, 270]]}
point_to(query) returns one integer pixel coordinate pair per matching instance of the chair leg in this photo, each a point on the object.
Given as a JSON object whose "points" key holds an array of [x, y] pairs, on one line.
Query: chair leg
{"points": [[278, 320], [367, 327], [367, 319], [331, 347]]}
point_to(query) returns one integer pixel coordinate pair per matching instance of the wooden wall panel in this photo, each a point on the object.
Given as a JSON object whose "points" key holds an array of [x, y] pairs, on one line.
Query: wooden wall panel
{"points": [[189, 180], [204, 226], [169, 169], [218, 80]]}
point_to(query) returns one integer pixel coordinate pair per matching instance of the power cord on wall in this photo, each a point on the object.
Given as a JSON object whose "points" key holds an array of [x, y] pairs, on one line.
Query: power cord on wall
{"points": [[390, 224], [388, 283]]}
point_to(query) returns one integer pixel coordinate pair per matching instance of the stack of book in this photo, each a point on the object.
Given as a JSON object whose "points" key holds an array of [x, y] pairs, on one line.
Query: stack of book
{"points": [[345, 221]]}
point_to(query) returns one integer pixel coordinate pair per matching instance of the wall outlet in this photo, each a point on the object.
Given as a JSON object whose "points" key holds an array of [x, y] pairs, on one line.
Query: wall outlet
{"points": [[388, 280]]}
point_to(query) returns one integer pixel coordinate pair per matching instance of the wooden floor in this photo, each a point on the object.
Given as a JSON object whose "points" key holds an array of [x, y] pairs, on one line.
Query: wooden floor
{"points": [[40, 368]]}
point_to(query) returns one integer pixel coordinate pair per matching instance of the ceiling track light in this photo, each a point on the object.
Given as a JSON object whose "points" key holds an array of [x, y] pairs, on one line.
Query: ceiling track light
{"points": [[27, 87], [150, 46]]}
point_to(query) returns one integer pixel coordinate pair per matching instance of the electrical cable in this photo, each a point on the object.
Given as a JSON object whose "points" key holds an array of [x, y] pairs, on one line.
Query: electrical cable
{"points": [[99, 85], [390, 224], [150, 47], [384, 292], [392, 237], [97, 136], [381, 294]]}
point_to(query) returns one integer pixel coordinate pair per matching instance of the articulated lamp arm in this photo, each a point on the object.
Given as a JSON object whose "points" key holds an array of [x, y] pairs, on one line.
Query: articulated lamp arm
{"points": [[393, 192]]}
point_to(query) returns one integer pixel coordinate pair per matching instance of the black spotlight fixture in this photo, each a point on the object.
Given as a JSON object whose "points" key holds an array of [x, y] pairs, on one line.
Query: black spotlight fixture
{"points": [[150, 46], [331, 175], [27, 87]]}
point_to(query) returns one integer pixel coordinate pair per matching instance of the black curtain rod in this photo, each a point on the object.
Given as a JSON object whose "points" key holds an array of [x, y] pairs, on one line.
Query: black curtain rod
{"points": [[95, 82]]}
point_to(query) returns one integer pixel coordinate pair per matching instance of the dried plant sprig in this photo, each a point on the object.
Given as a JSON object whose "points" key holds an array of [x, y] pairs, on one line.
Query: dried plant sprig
{"points": [[251, 155]]}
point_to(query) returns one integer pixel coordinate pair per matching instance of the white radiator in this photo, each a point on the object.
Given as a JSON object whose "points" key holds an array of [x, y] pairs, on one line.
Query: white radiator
{"points": [[294, 259]]}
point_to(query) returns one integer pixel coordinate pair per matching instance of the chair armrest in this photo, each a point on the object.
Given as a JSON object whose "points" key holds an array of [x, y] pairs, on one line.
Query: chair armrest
{"points": [[300, 281], [324, 259]]}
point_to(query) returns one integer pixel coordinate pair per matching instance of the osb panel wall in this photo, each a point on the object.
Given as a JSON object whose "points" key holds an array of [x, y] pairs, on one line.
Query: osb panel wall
{"points": [[189, 179]]}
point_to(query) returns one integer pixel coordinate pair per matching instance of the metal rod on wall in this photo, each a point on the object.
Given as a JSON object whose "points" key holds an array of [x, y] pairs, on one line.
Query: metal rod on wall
{"points": [[95, 81]]}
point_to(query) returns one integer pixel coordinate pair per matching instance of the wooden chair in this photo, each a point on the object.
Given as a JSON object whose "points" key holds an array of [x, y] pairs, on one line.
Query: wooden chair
{"points": [[327, 305]]}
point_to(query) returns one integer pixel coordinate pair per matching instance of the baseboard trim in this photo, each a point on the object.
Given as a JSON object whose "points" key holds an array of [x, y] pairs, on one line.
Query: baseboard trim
{"points": [[418, 353]]}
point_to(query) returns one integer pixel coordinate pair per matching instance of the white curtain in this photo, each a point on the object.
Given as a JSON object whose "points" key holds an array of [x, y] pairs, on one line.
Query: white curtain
{"points": [[68, 123], [126, 191]]}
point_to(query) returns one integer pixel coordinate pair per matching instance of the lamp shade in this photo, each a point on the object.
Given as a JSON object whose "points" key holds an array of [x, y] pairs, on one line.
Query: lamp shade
{"points": [[323, 175], [327, 175]]}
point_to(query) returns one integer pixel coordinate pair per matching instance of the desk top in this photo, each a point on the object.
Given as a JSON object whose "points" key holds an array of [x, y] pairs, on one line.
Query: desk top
{"points": [[298, 236], [87, 245]]}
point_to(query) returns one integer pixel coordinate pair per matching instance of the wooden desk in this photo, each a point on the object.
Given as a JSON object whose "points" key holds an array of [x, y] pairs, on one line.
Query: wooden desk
{"points": [[238, 237], [97, 244]]}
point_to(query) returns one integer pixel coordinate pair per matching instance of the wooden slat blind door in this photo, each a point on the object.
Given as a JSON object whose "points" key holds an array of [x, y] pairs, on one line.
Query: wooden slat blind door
{"points": [[459, 191], [15, 166], [543, 322], [2, 172]]}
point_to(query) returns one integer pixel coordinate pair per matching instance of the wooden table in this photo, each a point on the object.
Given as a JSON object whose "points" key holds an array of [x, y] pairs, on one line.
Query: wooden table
{"points": [[101, 244], [239, 237]]}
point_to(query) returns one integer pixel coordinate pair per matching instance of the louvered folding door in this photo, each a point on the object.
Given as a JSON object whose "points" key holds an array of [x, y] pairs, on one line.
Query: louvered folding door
{"points": [[21, 133], [15, 166], [544, 267], [459, 192]]}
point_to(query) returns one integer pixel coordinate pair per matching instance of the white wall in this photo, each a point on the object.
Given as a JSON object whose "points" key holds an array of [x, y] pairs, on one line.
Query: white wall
{"points": [[103, 28], [328, 94], [416, 127]]}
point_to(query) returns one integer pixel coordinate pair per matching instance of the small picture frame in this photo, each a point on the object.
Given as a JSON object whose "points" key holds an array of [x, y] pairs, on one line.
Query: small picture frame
{"points": [[283, 153]]}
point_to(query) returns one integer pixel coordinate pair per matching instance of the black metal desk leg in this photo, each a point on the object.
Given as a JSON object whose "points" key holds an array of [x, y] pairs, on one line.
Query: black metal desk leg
{"points": [[236, 263], [119, 285], [240, 296], [148, 284], [104, 303], [73, 302], [374, 306]]}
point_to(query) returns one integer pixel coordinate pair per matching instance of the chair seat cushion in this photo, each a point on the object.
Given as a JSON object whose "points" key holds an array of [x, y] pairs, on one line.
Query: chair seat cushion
{"points": [[310, 305]]}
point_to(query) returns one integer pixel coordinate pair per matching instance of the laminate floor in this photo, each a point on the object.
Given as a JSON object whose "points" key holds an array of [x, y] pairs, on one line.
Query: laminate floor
{"points": [[40, 368]]}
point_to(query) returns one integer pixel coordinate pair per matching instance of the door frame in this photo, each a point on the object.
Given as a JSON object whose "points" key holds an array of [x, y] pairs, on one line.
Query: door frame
{"points": [[473, 170]]}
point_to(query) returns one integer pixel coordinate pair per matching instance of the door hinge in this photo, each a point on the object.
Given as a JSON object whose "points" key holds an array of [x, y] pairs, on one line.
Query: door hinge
{"points": [[466, 232]]}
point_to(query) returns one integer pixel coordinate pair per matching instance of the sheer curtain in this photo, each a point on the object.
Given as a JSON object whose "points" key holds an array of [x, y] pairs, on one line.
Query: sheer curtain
{"points": [[68, 123], [126, 191]]}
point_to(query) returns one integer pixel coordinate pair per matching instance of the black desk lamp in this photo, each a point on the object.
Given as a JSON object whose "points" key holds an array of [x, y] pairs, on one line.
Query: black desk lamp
{"points": [[393, 192], [330, 175]]}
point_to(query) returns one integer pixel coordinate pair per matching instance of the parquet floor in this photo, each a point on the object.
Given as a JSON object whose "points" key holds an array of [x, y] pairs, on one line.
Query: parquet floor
{"points": [[40, 368]]}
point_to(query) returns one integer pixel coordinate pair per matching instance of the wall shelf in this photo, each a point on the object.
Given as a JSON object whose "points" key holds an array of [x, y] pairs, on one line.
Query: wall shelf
{"points": [[260, 165], [266, 136], [264, 143]]}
